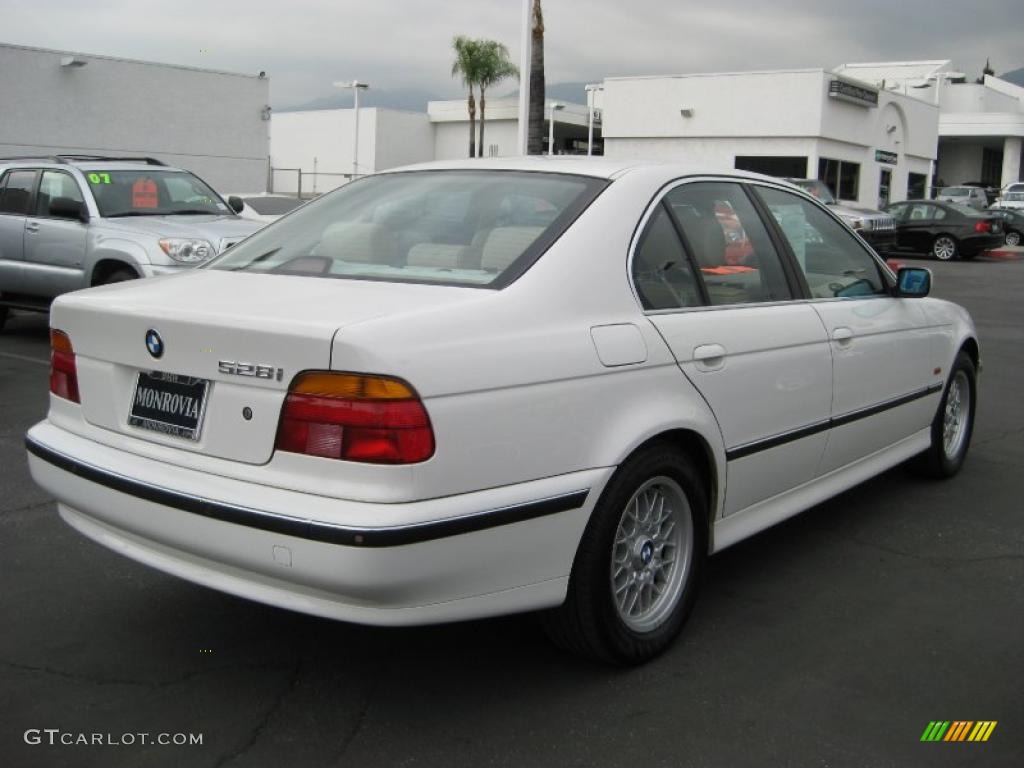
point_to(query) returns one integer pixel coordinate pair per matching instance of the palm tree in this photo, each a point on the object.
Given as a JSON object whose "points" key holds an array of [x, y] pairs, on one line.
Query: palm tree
{"points": [[494, 67], [467, 64], [535, 139]]}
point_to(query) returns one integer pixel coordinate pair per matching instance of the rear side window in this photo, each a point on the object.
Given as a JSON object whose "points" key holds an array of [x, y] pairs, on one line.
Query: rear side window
{"points": [[832, 260], [477, 228], [16, 192], [661, 272], [728, 241]]}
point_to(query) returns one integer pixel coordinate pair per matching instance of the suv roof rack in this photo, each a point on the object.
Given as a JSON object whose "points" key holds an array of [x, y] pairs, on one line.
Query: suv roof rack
{"points": [[110, 158], [85, 158]]}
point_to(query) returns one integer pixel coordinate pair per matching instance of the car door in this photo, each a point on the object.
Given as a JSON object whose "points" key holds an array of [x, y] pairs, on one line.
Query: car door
{"points": [[919, 227], [758, 357], [54, 247], [16, 190], [881, 355]]}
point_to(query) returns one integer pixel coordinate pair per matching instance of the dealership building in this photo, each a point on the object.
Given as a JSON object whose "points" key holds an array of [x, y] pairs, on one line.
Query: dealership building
{"points": [[212, 123]]}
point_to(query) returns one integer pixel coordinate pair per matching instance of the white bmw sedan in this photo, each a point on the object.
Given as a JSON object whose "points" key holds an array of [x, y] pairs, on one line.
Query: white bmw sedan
{"points": [[467, 389]]}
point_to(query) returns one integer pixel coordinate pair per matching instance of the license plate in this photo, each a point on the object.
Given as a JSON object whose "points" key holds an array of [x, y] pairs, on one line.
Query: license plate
{"points": [[169, 404]]}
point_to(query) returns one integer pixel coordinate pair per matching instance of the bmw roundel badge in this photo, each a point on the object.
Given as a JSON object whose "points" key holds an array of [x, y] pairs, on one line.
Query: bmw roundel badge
{"points": [[154, 343]]}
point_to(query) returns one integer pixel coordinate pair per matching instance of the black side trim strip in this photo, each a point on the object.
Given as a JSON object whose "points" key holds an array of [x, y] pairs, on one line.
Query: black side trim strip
{"points": [[311, 529], [836, 421]]}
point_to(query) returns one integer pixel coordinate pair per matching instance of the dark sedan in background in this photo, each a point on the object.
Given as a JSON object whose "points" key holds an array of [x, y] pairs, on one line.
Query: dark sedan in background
{"points": [[945, 230], [1013, 224]]}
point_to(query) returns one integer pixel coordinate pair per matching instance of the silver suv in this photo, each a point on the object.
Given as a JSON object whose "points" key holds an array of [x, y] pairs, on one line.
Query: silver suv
{"points": [[974, 197], [73, 221]]}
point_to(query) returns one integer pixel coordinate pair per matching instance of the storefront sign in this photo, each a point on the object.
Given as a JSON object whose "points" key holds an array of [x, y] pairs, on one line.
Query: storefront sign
{"points": [[855, 94], [881, 156]]}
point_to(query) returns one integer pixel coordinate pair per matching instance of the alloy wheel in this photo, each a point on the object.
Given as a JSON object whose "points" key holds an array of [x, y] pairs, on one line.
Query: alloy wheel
{"points": [[955, 417], [652, 554], [944, 248]]}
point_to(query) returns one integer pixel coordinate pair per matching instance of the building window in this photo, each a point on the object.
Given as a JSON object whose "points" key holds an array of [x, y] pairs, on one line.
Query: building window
{"points": [[785, 166], [841, 177], [991, 167], [916, 186]]}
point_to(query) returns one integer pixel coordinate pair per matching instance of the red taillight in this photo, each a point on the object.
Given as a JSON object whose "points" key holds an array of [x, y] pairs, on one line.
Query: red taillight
{"points": [[63, 373], [347, 416], [983, 226]]}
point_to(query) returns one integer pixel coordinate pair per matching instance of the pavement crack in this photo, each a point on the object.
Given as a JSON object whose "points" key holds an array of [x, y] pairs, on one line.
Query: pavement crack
{"points": [[360, 719], [105, 680], [26, 507], [261, 727]]}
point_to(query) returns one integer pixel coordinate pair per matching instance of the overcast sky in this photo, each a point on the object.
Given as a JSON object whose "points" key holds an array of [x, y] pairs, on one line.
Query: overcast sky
{"points": [[305, 45]]}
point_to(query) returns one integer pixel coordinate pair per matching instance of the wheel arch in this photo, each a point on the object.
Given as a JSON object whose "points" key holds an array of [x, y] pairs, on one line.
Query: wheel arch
{"points": [[107, 266]]}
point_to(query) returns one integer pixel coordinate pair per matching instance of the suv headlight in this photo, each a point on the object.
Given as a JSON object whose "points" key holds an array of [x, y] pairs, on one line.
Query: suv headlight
{"points": [[856, 223], [187, 251]]}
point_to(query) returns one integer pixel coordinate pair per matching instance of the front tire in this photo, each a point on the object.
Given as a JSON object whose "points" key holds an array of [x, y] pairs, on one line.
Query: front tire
{"points": [[638, 567], [944, 248], [118, 276], [953, 424]]}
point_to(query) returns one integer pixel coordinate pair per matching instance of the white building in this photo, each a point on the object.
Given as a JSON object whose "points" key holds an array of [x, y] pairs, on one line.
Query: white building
{"points": [[59, 102], [319, 143], [870, 145], [981, 126]]}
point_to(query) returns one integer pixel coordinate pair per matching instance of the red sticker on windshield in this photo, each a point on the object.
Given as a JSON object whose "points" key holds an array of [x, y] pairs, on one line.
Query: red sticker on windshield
{"points": [[144, 194]]}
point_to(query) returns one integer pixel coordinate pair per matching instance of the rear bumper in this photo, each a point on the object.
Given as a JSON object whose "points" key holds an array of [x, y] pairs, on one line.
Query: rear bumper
{"points": [[977, 243], [479, 554]]}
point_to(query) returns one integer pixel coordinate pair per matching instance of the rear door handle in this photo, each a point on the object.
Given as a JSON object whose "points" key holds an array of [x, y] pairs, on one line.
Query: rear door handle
{"points": [[709, 357], [842, 335], [32, 226]]}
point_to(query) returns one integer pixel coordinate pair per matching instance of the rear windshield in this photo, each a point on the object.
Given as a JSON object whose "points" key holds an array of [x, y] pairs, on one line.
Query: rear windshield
{"points": [[153, 193], [956, 191], [966, 210], [477, 228]]}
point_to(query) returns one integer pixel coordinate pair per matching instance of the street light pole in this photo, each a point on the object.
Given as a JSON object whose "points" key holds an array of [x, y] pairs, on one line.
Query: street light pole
{"points": [[551, 126], [356, 86], [591, 90]]}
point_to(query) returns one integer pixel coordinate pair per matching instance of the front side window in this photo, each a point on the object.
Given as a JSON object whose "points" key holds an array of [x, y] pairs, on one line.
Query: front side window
{"points": [[56, 184], [737, 261], [152, 193], [481, 228], [830, 257], [16, 192]]}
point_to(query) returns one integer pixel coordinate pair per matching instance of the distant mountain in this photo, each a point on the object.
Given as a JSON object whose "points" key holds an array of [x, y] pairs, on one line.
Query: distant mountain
{"points": [[1015, 76], [571, 92], [398, 98], [416, 100]]}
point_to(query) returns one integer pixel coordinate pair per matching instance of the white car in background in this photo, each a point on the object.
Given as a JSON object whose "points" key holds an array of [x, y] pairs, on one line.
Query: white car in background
{"points": [[264, 206], [468, 389]]}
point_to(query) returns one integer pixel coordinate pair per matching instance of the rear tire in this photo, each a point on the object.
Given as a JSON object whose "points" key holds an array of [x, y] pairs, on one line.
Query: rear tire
{"points": [[1012, 237], [944, 248], [639, 563], [953, 424]]}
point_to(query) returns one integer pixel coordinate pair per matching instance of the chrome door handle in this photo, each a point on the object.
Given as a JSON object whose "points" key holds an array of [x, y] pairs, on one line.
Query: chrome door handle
{"points": [[32, 226]]}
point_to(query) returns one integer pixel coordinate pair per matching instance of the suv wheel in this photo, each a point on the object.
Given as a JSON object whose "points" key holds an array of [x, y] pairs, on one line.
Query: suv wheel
{"points": [[117, 276]]}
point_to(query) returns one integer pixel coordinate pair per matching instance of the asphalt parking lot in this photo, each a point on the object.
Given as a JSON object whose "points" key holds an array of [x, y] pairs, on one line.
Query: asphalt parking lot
{"points": [[830, 640]]}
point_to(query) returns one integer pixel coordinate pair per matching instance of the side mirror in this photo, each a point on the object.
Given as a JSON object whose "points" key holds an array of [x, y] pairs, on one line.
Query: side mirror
{"points": [[913, 282], [68, 208], [236, 203]]}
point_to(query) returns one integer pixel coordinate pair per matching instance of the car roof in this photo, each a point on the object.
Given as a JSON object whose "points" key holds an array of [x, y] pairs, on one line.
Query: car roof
{"points": [[581, 165]]}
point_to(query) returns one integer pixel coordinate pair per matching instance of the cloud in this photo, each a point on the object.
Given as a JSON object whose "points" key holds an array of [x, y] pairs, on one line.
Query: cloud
{"points": [[305, 45]]}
